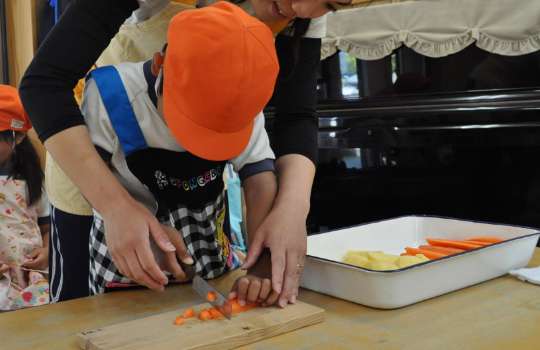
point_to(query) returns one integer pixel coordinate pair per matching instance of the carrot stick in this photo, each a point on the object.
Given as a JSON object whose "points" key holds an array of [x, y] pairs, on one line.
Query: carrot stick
{"points": [[442, 250], [483, 244], [428, 254], [487, 239], [451, 243], [237, 308]]}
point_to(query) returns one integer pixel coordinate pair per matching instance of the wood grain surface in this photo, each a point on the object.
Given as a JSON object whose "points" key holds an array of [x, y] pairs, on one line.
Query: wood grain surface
{"points": [[159, 333], [499, 314]]}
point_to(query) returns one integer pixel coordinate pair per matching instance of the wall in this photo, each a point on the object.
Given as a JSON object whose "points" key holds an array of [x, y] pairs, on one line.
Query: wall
{"points": [[21, 30]]}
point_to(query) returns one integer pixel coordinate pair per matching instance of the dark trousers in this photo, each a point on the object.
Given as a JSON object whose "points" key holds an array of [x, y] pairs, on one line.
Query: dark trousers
{"points": [[69, 258]]}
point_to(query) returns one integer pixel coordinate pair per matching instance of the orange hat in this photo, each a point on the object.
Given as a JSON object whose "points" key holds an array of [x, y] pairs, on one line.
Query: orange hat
{"points": [[12, 114], [219, 72]]}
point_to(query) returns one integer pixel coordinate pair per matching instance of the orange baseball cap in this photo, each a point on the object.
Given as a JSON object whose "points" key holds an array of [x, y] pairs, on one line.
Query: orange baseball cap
{"points": [[219, 72], [12, 114]]}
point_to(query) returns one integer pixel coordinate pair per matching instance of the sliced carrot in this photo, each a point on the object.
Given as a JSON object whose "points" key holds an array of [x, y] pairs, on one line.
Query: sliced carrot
{"points": [[451, 243], [442, 250], [211, 296], [429, 254], [179, 321], [487, 239], [215, 314], [188, 313], [205, 315]]}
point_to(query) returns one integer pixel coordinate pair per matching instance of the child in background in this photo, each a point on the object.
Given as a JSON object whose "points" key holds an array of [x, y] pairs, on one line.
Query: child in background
{"points": [[24, 211], [168, 126]]}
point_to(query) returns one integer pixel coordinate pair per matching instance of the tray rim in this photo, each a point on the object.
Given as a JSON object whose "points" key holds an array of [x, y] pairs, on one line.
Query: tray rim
{"points": [[354, 267]]}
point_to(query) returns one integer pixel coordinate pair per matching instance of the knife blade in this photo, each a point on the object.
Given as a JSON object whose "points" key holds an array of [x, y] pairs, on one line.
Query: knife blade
{"points": [[201, 287], [221, 303]]}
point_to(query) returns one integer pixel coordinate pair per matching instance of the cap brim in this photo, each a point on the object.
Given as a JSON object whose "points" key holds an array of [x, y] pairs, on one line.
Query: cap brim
{"points": [[201, 141]]}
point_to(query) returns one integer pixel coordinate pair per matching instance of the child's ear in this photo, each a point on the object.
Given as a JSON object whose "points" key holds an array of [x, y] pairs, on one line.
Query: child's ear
{"points": [[157, 62]]}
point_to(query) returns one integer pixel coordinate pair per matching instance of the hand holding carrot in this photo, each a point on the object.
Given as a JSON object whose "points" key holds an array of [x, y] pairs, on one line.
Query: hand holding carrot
{"points": [[251, 289]]}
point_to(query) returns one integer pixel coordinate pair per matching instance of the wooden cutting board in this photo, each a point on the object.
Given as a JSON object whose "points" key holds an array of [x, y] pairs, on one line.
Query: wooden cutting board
{"points": [[159, 333]]}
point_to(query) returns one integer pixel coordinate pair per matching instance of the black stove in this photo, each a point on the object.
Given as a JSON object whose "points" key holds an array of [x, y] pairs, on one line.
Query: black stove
{"points": [[457, 136], [471, 156]]}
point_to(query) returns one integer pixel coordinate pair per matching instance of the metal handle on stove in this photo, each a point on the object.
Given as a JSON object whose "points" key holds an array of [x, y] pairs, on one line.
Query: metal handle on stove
{"points": [[467, 127]]}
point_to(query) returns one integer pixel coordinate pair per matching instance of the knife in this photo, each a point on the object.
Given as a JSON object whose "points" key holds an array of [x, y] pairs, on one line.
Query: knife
{"points": [[202, 288]]}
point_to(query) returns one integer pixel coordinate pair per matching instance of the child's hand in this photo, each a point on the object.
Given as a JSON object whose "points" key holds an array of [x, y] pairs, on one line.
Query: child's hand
{"points": [[253, 289], [38, 259]]}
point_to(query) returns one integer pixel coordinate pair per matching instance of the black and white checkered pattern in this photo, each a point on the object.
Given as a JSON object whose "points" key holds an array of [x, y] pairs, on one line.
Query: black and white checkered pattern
{"points": [[198, 228]]}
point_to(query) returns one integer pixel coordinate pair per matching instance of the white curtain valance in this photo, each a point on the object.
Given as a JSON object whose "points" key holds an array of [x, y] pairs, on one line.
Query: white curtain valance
{"points": [[435, 28]]}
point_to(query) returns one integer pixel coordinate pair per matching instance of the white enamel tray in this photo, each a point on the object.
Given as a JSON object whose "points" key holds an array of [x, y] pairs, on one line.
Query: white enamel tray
{"points": [[325, 273]]}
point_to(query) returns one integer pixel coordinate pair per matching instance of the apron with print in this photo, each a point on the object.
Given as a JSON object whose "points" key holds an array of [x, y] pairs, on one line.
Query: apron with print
{"points": [[188, 190]]}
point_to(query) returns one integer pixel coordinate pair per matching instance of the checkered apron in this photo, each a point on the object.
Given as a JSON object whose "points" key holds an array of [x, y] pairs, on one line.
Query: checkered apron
{"points": [[202, 231], [189, 192]]}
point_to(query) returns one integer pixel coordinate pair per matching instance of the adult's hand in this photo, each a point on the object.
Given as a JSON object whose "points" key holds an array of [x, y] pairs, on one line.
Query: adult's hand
{"points": [[283, 232], [128, 229], [128, 224], [170, 261]]}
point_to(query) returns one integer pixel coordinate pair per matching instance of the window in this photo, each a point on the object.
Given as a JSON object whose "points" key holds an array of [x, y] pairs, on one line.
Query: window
{"points": [[406, 72], [349, 76]]}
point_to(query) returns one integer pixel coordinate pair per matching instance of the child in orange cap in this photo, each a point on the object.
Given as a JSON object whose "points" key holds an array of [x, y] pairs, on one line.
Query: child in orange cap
{"points": [[24, 211], [168, 126]]}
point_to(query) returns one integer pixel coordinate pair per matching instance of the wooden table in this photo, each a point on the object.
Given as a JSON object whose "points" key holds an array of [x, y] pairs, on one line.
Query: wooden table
{"points": [[500, 314]]}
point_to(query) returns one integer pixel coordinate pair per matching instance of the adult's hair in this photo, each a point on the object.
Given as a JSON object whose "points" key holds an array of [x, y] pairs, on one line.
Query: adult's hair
{"points": [[24, 165]]}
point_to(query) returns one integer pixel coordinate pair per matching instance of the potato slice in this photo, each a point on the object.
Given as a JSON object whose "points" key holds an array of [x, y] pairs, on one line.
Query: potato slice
{"points": [[382, 265], [422, 257], [357, 260], [380, 256], [407, 260]]}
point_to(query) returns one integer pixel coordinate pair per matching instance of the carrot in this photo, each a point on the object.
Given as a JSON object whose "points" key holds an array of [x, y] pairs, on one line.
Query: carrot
{"points": [[237, 308], [482, 244], [428, 254], [451, 243], [487, 239], [205, 315], [442, 250], [211, 296], [188, 313], [179, 321], [215, 314]]}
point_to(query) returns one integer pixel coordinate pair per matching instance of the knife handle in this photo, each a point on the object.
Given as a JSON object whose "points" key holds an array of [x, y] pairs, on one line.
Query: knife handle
{"points": [[189, 270]]}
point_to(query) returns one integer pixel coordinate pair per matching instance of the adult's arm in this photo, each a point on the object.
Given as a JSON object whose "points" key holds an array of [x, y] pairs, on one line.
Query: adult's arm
{"points": [[295, 96], [65, 56], [295, 143]]}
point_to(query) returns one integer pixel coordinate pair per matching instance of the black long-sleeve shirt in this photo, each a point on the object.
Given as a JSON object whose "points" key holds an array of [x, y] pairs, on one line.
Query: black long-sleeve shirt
{"points": [[85, 30], [295, 96]]}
